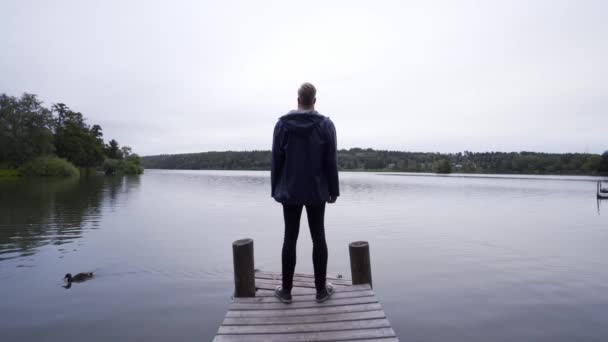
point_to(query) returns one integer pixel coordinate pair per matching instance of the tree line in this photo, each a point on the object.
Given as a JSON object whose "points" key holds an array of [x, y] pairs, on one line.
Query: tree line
{"points": [[358, 159], [55, 141]]}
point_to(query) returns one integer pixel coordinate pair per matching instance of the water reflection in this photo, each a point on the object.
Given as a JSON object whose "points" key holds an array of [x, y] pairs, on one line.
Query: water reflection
{"points": [[39, 212]]}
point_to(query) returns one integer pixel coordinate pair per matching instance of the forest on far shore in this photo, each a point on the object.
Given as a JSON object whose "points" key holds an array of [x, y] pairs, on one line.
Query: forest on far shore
{"points": [[55, 141], [358, 159]]}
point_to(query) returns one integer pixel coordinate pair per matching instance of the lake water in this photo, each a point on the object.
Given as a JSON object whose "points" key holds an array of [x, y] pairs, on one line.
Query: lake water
{"points": [[453, 258]]}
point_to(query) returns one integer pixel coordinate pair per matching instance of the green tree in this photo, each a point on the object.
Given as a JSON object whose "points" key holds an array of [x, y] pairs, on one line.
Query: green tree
{"points": [[112, 150], [96, 131], [75, 140], [443, 166], [592, 165], [25, 129], [126, 151]]}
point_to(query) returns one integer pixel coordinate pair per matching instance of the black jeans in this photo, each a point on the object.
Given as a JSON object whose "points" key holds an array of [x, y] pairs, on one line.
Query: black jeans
{"points": [[316, 218]]}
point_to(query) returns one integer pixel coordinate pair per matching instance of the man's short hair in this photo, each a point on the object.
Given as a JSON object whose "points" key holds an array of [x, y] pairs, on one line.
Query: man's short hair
{"points": [[307, 94]]}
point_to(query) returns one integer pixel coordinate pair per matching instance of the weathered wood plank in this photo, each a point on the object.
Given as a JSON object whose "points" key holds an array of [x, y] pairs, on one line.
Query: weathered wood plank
{"points": [[297, 291], [306, 275], [345, 335], [304, 327], [278, 276], [307, 284], [307, 280], [261, 283], [306, 298], [339, 317], [305, 312], [300, 305], [311, 275], [268, 284]]}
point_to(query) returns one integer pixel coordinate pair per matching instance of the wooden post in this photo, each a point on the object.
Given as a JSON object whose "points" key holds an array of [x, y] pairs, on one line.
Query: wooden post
{"points": [[244, 273], [360, 265]]}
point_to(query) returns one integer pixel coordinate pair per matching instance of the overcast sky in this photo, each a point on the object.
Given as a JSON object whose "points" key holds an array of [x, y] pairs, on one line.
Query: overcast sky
{"points": [[448, 76]]}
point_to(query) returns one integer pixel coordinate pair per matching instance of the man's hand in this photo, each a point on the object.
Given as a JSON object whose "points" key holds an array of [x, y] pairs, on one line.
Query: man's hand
{"points": [[332, 199]]}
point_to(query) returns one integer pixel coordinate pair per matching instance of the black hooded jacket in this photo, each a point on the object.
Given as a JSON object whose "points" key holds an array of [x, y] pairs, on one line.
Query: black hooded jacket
{"points": [[304, 163]]}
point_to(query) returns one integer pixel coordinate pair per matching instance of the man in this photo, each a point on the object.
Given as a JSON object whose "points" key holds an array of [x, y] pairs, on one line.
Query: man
{"points": [[304, 172]]}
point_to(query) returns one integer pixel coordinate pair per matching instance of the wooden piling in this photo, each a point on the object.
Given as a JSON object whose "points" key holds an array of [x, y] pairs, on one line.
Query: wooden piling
{"points": [[360, 265], [244, 273]]}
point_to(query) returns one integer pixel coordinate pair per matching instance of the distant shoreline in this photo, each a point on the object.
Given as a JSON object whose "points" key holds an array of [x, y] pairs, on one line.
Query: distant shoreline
{"points": [[370, 160], [584, 178]]}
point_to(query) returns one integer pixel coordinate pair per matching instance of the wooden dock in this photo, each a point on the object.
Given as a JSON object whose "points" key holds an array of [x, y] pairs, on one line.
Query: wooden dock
{"points": [[353, 313]]}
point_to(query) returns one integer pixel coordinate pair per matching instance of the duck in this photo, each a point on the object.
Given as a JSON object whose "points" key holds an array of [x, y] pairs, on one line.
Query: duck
{"points": [[78, 278]]}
